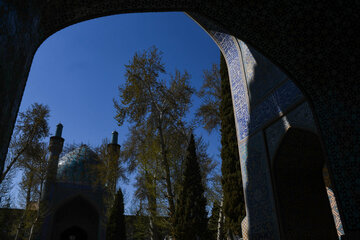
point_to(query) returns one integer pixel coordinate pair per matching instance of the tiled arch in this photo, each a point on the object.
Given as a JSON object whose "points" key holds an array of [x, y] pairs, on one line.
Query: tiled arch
{"points": [[315, 44]]}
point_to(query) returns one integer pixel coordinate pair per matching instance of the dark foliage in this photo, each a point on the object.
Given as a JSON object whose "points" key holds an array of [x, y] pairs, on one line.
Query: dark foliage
{"points": [[214, 218], [190, 215], [116, 224], [234, 205]]}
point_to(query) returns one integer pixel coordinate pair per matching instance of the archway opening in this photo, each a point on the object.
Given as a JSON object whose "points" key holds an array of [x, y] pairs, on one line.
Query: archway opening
{"points": [[76, 219], [303, 206], [74, 233], [234, 66], [87, 86]]}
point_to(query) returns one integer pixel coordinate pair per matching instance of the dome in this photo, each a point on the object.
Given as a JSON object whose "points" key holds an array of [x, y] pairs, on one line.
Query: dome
{"points": [[78, 166]]}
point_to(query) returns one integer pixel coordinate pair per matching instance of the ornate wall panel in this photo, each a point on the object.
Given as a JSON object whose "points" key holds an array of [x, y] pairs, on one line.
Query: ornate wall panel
{"points": [[262, 76]]}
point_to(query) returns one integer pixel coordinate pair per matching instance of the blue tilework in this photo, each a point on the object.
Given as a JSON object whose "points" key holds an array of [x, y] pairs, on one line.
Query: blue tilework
{"points": [[262, 76], [262, 222], [78, 166], [279, 101], [230, 49], [271, 107], [255, 173]]}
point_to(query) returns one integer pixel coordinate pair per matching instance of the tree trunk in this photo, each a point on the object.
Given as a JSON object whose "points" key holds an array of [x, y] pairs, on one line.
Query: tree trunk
{"points": [[151, 195], [231, 235], [13, 161], [37, 213], [220, 228], [28, 198], [170, 195]]}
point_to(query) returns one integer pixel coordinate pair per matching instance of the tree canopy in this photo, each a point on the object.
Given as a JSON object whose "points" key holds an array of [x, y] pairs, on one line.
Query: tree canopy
{"points": [[210, 93], [31, 127], [156, 109]]}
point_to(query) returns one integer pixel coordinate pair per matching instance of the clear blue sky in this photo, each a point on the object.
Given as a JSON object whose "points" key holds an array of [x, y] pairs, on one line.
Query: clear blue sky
{"points": [[77, 70]]}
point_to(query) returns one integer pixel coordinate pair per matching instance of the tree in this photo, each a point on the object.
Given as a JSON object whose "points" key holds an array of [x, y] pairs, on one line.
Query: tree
{"points": [[38, 165], [5, 189], [32, 126], [217, 109], [139, 229], [109, 170], [27, 192], [210, 93], [213, 220], [191, 216], [155, 105], [116, 228], [25, 153], [234, 204], [34, 165], [142, 150], [216, 222]]}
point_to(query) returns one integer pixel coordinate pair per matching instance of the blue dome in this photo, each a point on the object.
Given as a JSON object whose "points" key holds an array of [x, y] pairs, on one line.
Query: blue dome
{"points": [[78, 166]]}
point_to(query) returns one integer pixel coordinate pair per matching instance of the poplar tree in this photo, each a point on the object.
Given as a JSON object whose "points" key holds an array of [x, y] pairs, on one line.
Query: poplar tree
{"points": [[233, 205], [116, 228], [31, 128], [29, 153], [155, 105], [190, 215]]}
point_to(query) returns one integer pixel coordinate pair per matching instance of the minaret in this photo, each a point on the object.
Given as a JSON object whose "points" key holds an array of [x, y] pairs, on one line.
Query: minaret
{"points": [[113, 150], [55, 148], [114, 147]]}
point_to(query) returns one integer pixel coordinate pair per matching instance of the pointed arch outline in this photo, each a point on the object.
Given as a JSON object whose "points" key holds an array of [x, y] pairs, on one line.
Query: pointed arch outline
{"points": [[294, 185], [90, 207]]}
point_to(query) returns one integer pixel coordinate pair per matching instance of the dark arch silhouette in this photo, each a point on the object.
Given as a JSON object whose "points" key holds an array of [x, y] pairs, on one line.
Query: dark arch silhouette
{"points": [[315, 44], [76, 217], [74, 233], [303, 206]]}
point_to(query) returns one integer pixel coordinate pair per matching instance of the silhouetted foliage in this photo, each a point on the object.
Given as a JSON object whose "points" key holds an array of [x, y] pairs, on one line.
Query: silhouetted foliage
{"points": [[214, 219], [234, 205], [116, 228], [190, 215], [31, 127], [210, 93]]}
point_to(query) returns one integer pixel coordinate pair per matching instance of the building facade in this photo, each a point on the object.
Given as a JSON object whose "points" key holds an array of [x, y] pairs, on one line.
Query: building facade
{"points": [[73, 204]]}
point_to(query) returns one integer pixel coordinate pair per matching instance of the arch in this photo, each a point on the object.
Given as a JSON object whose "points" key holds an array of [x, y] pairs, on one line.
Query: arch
{"points": [[302, 202], [74, 233], [80, 196], [78, 217], [41, 20], [300, 38]]}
